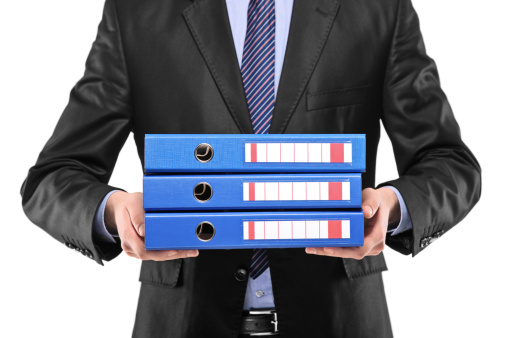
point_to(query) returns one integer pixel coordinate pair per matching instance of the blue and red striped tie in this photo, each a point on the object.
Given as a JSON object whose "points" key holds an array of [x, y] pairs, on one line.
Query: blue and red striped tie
{"points": [[258, 72]]}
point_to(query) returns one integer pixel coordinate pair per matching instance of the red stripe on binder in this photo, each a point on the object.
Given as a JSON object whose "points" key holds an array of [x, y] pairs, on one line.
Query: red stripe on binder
{"points": [[335, 229], [253, 150], [251, 191], [337, 153], [335, 191], [251, 230]]}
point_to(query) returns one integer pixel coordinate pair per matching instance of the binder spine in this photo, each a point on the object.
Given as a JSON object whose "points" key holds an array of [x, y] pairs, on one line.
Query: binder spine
{"points": [[235, 230], [265, 191], [254, 153]]}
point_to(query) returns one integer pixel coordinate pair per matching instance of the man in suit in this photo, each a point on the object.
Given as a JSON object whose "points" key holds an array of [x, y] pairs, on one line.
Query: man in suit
{"points": [[163, 67]]}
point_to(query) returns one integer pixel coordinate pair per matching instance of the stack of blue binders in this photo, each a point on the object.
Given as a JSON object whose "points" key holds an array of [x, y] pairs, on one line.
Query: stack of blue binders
{"points": [[253, 191]]}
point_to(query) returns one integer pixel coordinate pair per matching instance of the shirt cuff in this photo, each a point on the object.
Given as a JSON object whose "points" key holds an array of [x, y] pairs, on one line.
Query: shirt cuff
{"points": [[99, 226], [405, 221]]}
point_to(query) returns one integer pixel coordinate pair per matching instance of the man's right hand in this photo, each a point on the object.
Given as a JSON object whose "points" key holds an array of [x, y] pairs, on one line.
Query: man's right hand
{"points": [[124, 216]]}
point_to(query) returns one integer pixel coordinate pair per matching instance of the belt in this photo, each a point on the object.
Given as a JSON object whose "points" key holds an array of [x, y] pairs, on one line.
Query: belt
{"points": [[259, 323]]}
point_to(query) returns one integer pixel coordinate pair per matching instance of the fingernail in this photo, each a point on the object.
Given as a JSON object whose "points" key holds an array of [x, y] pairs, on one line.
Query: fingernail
{"points": [[192, 253], [328, 250], [311, 250], [172, 253], [141, 230]]}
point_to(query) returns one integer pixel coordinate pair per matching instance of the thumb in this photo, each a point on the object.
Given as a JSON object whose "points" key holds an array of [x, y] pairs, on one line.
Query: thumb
{"points": [[140, 230], [371, 202], [137, 219], [139, 226]]}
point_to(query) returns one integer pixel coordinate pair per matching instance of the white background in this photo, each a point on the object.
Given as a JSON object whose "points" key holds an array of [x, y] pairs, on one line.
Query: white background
{"points": [[454, 288]]}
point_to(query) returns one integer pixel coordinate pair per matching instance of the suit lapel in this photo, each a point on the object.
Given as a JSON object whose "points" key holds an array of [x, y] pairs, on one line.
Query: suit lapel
{"points": [[209, 24], [310, 25]]}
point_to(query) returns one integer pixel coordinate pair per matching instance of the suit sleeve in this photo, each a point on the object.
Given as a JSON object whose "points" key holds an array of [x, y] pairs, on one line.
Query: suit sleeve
{"points": [[440, 179], [63, 190]]}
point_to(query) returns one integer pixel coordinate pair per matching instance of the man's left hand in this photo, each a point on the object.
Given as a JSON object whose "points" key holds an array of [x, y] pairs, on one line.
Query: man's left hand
{"points": [[380, 208]]}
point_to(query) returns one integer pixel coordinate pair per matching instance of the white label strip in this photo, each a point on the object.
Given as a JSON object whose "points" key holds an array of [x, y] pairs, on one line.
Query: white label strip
{"points": [[309, 229], [296, 191], [298, 152]]}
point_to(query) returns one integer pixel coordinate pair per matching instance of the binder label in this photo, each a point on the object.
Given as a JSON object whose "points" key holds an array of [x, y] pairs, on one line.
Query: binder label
{"points": [[296, 191], [298, 152], [300, 229]]}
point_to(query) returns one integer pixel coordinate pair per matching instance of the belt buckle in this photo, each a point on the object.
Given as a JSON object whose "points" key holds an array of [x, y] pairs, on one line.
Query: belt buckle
{"points": [[275, 322]]}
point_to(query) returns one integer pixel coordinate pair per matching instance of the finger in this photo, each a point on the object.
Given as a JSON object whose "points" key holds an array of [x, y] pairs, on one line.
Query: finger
{"points": [[137, 245], [327, 251], [133, 244], [165, 255], [371, 202], [124, 225], [356, 252], [127, 249], [136, 212], [131, 241], [376, 227], [372, 236], [312, 251], [371, 241], [131, 254], [126, 232], [161, 255], [377, 249], [374, 239]]}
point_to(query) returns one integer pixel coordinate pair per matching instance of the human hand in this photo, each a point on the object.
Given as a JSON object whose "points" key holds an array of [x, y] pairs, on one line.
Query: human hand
{"points": [[381, 208], [124, 215]]}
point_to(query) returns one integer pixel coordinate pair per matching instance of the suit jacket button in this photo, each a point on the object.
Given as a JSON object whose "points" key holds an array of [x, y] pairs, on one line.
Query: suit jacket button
{"points": [[241, 275]]}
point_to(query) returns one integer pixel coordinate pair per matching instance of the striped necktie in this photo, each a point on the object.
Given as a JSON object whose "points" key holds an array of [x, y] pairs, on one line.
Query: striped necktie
{"points": [[258, 72]]}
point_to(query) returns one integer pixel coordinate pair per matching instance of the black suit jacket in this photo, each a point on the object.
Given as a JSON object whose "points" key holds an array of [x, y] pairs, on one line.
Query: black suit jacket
{"points": [[170, 67]]}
